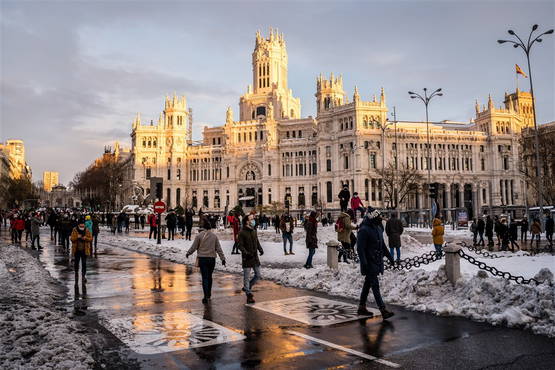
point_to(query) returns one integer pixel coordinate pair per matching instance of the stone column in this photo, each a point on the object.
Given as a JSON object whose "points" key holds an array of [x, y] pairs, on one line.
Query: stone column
{"points": [[452, 262], [332, 254], [448, 195]]}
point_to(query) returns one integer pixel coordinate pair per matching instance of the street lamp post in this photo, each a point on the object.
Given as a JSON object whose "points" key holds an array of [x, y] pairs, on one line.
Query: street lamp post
{"points": [[527, 48], [426, 100], [383, 127], [395, 194]]}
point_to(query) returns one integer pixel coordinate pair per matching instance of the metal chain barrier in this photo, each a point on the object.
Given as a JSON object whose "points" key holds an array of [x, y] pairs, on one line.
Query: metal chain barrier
{"points": [[486, 254], [408, 263], [495, 272]]}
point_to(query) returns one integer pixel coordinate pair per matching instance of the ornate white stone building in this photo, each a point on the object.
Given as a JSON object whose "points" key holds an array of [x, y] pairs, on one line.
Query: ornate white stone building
{"points": [[273, 154]]}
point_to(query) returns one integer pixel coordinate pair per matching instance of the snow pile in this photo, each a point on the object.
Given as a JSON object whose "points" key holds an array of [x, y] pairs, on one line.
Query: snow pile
{"points": [[477, 295], [34, 332]]}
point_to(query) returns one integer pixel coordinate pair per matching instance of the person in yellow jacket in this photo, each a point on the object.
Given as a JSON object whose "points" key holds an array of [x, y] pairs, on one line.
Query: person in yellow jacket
{"points": [[437, 233], [81, 239]]}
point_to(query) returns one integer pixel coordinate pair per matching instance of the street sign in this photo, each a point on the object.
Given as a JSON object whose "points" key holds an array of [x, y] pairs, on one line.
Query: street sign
{"points": [[159, 207]]}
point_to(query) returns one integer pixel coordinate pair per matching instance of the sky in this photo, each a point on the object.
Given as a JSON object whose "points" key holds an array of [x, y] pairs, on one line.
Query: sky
{"points": [[75, 73]]}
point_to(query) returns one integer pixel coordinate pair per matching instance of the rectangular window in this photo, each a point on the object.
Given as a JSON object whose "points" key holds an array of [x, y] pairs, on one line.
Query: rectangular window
{"points": [[148, 173], [328, 165], [269, 170], [346, 162], [329, 192], [169, 174], [373, 160]]}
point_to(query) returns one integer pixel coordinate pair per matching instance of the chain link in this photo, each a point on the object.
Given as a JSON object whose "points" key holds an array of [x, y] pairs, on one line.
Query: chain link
{"points": [[495, 272], [486, 254], [417, 261]]}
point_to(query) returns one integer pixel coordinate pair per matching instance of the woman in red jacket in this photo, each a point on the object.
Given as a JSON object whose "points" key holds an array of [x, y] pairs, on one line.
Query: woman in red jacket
{"points": [[18, 226]]}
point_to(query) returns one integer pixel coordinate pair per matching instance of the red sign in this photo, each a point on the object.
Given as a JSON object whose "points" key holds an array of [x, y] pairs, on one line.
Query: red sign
{"points": [[159, 207]]}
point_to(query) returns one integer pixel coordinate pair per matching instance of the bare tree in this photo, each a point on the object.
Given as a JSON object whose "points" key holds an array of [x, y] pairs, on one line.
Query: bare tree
{"points": [[398, 182], [527, 165]]}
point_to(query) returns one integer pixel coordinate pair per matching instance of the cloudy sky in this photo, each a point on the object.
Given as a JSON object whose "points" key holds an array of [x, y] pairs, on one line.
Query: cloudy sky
{"points": [[74, 73]]}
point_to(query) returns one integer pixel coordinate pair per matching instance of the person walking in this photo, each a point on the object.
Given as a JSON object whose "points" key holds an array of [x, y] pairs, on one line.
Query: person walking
{"points": [[95, 232], [19, 226], [535, 230], [394, 229], [524, 229], [356, 205], [171, 221], [438, 231], [65, 229], [513, 234], [549, 231], [276, 221], [481, 228], [52, 218], [81, 239], [250, 247], [503, 230], [286, 225], [181, 223], [234, 222], [207, 245], [474, 231], [496, 229], [189, 213], [35, 231], [311, 226], [142, 219], [489, 232], [89, 223], [153, 224], [344, 228], [371, 250], [344, 197]]}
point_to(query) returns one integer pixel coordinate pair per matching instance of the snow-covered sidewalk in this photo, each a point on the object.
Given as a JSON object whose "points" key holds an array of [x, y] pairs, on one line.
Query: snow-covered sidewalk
{"points": [[476, 296], [35, 333]]}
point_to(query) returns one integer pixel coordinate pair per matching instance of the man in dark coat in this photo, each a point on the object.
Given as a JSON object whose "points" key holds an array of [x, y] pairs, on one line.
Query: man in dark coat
{"points": [[524, 229], [394, 229], [189, 213], [371, 251], [250, 247], [513, 234], [489, 231], [171, 222], [310, 227], [344, 197]]}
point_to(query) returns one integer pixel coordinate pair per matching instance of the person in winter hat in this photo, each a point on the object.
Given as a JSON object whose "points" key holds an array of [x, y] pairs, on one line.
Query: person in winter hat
{"points": [[311, 226], [371, 250], [81, 239], [438, 230], [250, 249]]}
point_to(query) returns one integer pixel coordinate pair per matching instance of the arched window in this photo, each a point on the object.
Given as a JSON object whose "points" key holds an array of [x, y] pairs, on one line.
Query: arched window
{"points": [[250, 176], [261, 111], [292, 113]]}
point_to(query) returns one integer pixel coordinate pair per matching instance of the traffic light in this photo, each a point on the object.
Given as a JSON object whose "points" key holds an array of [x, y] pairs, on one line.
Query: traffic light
{"points": [[433, 190]]}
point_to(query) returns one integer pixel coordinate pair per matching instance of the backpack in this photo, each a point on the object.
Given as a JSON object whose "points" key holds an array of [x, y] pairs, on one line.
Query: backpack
{"points": [[339, 225]]}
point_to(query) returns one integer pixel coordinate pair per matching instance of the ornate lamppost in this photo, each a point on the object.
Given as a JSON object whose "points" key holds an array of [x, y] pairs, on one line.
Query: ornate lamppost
{"points": [[527, 46], [426, 100]]}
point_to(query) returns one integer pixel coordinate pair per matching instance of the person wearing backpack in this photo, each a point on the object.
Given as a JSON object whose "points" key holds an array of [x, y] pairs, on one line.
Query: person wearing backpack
{"points": [[343, 227], [81, 239], [207, 245]]}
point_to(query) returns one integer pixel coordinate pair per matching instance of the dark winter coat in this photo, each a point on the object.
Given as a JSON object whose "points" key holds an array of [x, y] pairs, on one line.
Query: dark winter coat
{"points": [[189, 218], [481, 226], [394, 229], [513, 230], [35, 226], [344, 195], [524, 226], [171, 220], [286, 223], [371, 247], [311, 238], [549, 225], [489, 227], [249, 246]]}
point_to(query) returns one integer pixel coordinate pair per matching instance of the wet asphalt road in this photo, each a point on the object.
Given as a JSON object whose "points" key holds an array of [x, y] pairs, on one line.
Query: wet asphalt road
{"points": [[140, 289]]}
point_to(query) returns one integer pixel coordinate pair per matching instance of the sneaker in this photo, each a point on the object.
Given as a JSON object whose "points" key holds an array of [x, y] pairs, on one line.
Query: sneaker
{"points": [[364, 312], [386, 314], [286, 253], [291, 252], [250, 298]]}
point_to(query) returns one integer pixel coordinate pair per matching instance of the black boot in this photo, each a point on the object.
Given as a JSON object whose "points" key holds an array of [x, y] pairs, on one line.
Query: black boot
{"points": [[386, 314], [363, 311], [250, 298]]}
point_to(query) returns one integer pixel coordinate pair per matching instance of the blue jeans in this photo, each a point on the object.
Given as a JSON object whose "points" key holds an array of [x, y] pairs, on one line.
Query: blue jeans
{"points": [[311, 252], [398, 252], [247, 281], [287, 236], [439, 251]]}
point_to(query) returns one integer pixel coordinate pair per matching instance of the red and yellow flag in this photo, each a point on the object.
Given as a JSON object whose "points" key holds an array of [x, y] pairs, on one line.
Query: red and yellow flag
{"points": [[520, 71]]}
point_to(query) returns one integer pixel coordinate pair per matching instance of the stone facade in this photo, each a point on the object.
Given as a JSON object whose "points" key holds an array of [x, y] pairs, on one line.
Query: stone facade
{"points": [[14, 152], [50, 179], [273, 154]]}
